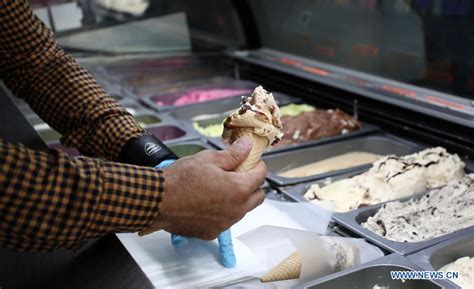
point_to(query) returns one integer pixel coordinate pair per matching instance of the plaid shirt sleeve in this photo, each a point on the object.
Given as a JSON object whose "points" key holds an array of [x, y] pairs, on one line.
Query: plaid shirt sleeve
{"points": [[48, 200]]}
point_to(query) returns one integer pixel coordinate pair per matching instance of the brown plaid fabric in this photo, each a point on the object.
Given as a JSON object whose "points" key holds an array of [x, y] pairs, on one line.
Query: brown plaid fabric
{"points": [[48, 200]]}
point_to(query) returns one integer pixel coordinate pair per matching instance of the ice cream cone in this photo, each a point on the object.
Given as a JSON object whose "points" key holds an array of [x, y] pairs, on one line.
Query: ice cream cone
{"points": [[290, 268], [259, 145]]}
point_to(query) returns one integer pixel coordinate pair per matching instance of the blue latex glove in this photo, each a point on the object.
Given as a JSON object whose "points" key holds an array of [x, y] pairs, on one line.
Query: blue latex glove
{"points": [[226, 248]]}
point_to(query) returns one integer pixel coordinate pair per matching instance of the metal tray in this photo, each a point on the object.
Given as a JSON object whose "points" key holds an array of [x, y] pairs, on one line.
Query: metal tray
{"points": [[352, 220], [240, 84], [377, 272], [172, 133], [435, 257], [172, 83], [383, 144], [367, 129]]}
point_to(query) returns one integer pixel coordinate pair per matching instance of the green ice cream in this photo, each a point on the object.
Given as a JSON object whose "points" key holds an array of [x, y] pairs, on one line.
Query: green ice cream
{"points": [[184, 150], [212, 130], [295, 109]]}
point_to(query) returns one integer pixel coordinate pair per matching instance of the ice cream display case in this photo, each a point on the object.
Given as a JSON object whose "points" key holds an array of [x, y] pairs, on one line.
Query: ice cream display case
{"points": [[362, 87]]}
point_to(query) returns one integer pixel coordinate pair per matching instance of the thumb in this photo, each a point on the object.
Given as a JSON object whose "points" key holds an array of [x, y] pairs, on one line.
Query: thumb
{"points": [[235, 154]]}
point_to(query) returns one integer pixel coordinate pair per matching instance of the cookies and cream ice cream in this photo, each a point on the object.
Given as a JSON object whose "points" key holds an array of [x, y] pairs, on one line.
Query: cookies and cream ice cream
{"points": [[259, 115], [439, 212], [465, 267], [335, 163], [390, 178]]}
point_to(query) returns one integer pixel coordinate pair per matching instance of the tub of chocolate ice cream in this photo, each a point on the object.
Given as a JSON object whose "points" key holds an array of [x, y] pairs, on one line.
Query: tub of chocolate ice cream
{"points": [[319, 162], [376, 275]]}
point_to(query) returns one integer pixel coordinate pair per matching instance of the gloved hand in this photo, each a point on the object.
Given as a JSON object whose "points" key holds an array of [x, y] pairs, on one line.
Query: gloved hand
{"points": [[226, 248]]}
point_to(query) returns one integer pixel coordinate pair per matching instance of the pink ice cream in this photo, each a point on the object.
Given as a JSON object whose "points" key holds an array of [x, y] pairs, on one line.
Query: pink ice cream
{"points": [[199, 95]]}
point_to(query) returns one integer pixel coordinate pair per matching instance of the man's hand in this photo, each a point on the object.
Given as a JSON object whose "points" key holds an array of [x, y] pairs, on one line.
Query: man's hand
{"points": [[204, 196]]}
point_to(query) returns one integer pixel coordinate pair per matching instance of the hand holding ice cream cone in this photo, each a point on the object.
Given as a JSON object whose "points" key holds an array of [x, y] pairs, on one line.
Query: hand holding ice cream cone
{"points": [[259, 119]]}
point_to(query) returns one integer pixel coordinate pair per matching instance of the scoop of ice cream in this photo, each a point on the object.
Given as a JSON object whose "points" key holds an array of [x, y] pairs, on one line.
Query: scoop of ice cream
{"points": [[465, 267], [259, 113], [390, 178], [439, 212]]}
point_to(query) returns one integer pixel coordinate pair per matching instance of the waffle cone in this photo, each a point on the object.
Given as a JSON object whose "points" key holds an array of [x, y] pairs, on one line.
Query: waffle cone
{"points": [[259, 145], [290, 268]]}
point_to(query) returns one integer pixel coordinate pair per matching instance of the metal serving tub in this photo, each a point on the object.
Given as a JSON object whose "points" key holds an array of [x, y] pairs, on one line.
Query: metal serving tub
{"points": [[234, 88], [377, 272], [383, 144], [352, 220], [435, 257], [171, 133]]}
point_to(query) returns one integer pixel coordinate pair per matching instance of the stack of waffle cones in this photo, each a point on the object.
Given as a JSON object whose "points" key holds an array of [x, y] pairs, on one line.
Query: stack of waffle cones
{"points": [[290, 268]]}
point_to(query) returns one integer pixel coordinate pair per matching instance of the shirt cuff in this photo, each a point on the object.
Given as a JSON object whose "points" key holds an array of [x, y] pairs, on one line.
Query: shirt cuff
{"points": [[130, 200]]}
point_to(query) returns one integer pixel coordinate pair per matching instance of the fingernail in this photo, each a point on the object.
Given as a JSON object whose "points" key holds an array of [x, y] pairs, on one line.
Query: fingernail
{"points": [[243, 143]]}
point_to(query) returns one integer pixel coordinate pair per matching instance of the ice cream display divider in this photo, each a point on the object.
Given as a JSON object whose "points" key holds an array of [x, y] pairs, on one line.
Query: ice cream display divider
{"points": [[377, 272], [441, 254], [352, 220], [379, 144]]}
